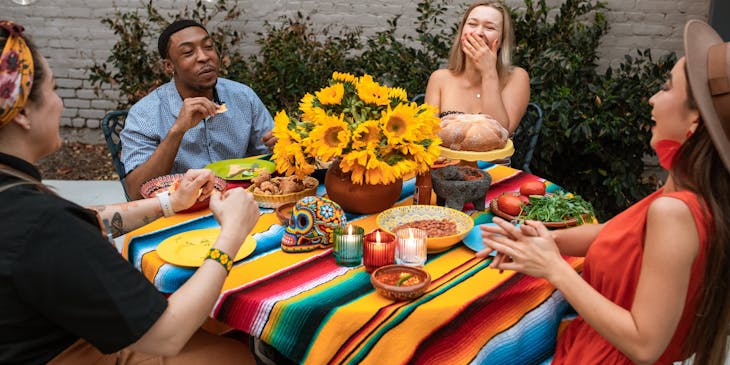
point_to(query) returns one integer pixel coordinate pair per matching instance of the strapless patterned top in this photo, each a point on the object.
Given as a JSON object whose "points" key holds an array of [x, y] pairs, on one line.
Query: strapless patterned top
{"points": [[449, 112]]}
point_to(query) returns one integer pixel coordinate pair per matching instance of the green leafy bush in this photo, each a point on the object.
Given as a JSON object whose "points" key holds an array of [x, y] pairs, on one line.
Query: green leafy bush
{"points": [[596, 128], [135, 67], [597, 125], [296, 58], [408, 62]]}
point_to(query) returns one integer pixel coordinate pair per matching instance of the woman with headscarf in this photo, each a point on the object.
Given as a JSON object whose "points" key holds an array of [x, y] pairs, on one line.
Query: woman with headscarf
{"points": [[67, 296], [654, 287]]}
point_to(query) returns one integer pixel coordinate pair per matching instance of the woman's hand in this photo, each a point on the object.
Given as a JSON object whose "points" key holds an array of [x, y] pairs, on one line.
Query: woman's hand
{"points": [[196, 185], [530, 247], [237, 213], [480, 52]]}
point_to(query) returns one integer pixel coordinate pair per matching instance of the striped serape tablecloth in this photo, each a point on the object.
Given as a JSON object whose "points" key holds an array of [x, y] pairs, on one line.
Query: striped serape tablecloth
{"points": [[316, 312]]}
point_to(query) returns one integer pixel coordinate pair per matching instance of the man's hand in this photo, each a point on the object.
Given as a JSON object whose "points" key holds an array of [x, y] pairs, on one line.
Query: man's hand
{"points": [[269, 140], [193, 111]]}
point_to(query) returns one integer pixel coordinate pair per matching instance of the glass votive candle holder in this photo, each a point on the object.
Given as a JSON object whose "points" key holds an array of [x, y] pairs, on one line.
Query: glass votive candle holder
{"points": [[411, 246], [378, 250], [348, 245]]}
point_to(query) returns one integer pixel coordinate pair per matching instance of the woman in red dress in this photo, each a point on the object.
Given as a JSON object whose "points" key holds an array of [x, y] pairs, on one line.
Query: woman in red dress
{"points": [[654, 284]]}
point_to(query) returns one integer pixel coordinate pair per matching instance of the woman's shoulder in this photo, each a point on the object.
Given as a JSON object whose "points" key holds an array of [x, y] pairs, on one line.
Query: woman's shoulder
{"points": [[442, 74], [680, 210], [518, 73]]}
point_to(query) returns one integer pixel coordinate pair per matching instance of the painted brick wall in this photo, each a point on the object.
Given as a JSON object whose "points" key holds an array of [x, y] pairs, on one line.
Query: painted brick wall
{"points": [[70, 35]]}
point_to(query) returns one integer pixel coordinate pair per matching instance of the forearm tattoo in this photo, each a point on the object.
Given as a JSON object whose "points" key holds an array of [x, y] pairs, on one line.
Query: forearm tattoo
{"points": [[117, 225]]}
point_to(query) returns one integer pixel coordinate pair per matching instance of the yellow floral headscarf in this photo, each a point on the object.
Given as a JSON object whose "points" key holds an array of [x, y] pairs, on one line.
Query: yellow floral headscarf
{"points": [[16, 72]]}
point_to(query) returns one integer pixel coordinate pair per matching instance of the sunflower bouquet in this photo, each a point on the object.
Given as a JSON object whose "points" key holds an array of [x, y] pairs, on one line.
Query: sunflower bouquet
{"points": [[373, 132]]}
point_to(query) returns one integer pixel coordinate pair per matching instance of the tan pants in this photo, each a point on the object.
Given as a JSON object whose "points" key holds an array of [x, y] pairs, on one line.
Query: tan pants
{"points": [[202, 348]]}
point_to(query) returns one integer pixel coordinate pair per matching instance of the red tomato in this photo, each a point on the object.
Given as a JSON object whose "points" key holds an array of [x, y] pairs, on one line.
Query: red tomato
{"points": [[532, 188], [509, 204], [525, 199]]}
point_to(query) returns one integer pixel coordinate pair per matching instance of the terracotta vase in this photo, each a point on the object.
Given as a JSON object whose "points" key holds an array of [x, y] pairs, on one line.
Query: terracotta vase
{"points": [[362, 199]]}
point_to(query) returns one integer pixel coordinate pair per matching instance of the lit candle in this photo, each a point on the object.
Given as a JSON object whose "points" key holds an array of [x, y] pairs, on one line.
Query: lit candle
{"points": [[378, 250], [348, 245], [411, 246]]}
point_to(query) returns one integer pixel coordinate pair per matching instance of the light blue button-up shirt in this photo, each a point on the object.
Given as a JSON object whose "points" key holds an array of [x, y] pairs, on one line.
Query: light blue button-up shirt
{"points": [[234, 134]]}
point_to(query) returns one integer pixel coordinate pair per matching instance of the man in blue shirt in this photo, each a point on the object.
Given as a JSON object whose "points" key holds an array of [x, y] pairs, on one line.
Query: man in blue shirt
{"points": [[182, 124]]}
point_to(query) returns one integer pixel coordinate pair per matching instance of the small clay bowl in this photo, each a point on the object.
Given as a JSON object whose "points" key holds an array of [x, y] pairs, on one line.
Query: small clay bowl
{"points": [[284, 212], [413, 282], [164, 183]]}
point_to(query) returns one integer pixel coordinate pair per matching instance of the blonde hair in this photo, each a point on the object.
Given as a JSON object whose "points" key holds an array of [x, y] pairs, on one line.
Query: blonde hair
{"points": [[457, 59]]}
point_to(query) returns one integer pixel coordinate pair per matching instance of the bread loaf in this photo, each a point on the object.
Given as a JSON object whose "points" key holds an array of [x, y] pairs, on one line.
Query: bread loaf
{"points": [[472, 132]]}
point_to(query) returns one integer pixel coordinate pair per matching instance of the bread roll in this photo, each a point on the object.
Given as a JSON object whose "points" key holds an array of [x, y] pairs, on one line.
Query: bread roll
{"points": [[472, 132]]}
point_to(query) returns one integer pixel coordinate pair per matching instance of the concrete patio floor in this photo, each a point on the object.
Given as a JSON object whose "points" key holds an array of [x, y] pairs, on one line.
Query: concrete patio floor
{"points": [[89, 192]]}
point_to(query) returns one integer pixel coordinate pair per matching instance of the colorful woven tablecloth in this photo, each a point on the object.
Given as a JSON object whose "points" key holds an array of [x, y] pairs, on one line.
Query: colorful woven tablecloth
{"points": [[316, 312]]}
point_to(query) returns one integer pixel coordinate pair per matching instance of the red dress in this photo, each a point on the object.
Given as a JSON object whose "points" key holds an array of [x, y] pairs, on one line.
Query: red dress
{"points": [[612, 266]]}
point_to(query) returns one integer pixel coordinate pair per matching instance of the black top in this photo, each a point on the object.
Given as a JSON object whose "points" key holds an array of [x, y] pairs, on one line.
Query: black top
{"points": [[443, 114], [60, 279]]}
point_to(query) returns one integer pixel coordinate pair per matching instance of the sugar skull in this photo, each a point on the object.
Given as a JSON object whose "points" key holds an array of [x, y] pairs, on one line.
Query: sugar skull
{"points": [[312, 224]]}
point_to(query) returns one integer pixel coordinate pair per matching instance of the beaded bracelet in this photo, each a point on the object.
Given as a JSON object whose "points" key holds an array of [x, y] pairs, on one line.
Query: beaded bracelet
{"points": [[220, 257]]}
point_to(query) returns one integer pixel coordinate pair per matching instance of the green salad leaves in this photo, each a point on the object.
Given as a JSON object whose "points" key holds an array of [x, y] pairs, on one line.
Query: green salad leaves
{"points": [[557, 207]]}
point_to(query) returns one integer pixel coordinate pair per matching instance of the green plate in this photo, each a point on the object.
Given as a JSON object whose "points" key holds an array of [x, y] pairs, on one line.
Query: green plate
{"points": [[240, 168]]}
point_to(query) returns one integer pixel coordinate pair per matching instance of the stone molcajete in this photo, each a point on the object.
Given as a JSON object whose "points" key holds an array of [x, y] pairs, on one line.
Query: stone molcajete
{"points": [[456, 185]]}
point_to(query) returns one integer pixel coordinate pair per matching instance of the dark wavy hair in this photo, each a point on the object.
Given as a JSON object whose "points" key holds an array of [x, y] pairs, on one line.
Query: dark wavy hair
{"points": [[699, 168]]}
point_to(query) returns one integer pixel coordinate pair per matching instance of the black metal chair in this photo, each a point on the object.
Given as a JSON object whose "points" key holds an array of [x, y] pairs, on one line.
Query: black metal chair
{"points": [[112, 125], [525, 137]]}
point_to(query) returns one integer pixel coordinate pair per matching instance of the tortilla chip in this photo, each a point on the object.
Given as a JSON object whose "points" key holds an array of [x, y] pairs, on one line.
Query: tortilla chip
{"points": [[221, 109]]}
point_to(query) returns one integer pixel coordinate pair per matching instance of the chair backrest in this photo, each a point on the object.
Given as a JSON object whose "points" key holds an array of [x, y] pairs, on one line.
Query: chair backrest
{"points": [[420, 98], [112, 125], [525, 137]]}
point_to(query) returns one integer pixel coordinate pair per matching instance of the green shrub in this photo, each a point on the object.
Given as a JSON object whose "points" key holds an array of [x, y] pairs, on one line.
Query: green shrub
{"points": [[134, 65], [296, 58], [597, 125], [408, 62]]}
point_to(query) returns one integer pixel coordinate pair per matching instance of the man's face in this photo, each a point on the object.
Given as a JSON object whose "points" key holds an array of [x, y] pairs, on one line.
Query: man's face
{"points": [[194, 59]]}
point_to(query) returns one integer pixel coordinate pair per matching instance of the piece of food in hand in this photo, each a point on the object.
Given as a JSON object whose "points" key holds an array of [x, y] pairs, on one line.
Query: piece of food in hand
{"points": [[510, 204], [174, 186], [533, 188], [222, 109]]}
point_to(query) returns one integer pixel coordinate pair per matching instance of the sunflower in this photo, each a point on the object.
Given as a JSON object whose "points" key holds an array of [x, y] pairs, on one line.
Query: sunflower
{"points": [[306, 104], [329, 137], [366, 134], [371, 92], [343, 76], [331, 95], [355, 162], [290, 160], [397, 94], [398, 123]]}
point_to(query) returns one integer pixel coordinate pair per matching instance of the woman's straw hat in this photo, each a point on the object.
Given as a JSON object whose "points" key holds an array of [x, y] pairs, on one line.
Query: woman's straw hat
{"points": [[708, 70]]}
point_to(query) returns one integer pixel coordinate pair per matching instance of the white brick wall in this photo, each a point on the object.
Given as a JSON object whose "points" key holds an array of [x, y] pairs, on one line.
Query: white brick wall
{"points": [[70, 34]]}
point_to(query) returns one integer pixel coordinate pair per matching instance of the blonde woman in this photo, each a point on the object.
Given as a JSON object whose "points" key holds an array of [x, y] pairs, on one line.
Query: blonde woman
{"points": [[480, 78]]}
